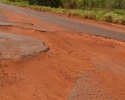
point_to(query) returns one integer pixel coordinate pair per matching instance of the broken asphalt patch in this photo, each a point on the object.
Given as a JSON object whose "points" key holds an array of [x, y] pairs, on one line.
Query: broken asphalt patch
{"points": [[13, 46]]}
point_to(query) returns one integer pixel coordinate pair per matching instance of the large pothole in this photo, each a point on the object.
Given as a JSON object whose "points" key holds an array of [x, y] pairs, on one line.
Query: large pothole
{"points": [[13, 46]]}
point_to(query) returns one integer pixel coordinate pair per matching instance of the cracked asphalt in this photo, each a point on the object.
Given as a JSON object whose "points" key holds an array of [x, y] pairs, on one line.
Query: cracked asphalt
{"points": [[15, 47]]}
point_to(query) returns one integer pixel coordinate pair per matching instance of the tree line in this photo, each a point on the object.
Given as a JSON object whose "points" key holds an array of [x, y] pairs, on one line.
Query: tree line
{"points": [[79, 4]]}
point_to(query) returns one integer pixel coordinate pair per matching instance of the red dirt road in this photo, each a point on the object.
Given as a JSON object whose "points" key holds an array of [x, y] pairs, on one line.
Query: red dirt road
{"points": [[78, 66]]}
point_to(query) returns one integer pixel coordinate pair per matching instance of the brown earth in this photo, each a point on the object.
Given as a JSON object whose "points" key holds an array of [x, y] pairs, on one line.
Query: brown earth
{"points": [[78, 66]]}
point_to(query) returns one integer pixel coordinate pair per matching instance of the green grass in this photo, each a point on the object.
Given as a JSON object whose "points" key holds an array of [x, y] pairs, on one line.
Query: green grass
{"points": [[115, 16]]}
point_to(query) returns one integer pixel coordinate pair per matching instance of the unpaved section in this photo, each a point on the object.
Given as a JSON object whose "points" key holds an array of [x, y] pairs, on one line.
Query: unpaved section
{"points": [[101, 83], [78, 66]]}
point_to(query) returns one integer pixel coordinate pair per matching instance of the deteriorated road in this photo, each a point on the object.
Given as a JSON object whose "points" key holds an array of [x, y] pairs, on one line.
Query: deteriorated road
{"points": [[78, 66], [65, 24]]}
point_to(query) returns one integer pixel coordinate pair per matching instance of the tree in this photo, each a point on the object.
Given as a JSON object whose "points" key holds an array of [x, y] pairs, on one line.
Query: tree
{"points": [[51, 3]]}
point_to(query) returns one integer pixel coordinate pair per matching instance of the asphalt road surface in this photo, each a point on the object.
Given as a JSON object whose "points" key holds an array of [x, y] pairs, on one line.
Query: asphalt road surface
{"points": [[66, 23]]}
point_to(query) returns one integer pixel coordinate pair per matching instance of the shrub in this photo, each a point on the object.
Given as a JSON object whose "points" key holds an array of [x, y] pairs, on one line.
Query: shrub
{"points": [[123, 21], [100, 14], [89, 15], [68, 13], [119, 11], [118, 19], [108, 17]]}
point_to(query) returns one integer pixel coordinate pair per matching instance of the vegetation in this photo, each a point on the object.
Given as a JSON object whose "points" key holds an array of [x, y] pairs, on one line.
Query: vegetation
{"points": [[105, 10]]}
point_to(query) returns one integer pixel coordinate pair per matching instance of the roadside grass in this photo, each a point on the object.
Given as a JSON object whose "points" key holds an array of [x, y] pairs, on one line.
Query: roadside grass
{"points": [[113, 16]]}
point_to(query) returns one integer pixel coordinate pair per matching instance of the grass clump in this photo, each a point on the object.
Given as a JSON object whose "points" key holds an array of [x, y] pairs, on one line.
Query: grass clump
{"points": [[119, 11], [119, 19], [108, 17], [114, 18], [89, 15]]}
